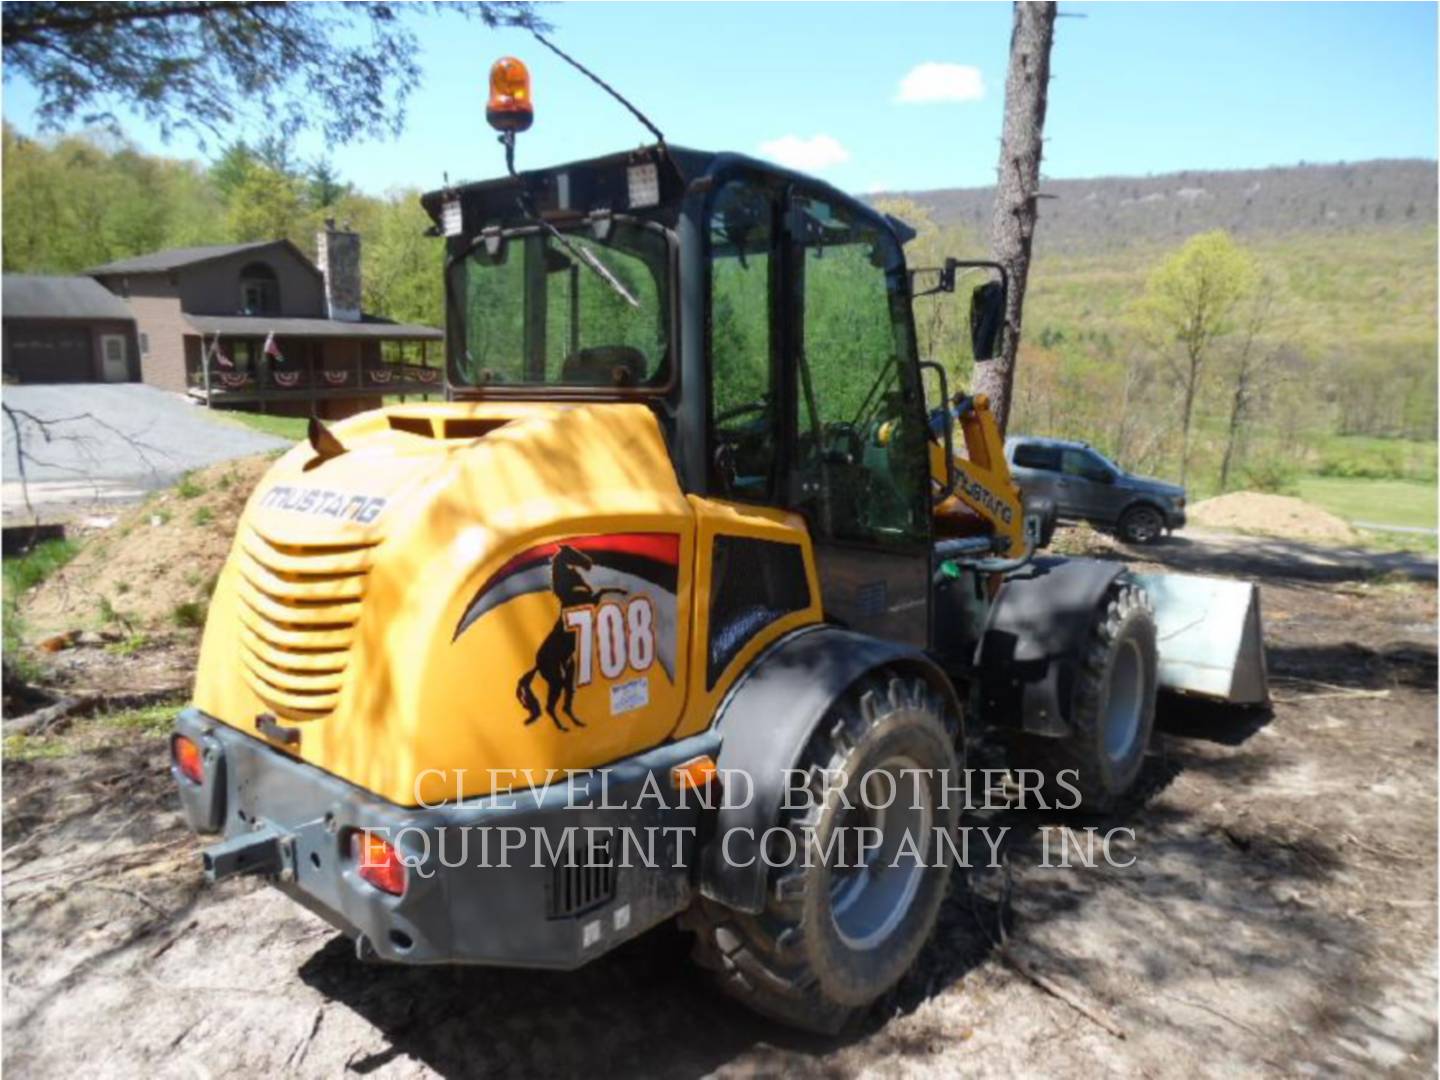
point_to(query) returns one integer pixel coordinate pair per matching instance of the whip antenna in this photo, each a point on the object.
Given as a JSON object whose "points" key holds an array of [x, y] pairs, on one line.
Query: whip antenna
{"points": [[659, 135]]}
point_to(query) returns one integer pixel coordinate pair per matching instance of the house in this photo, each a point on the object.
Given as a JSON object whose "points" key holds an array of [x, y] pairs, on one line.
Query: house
{"points": [[203, 316], [66, 329]]}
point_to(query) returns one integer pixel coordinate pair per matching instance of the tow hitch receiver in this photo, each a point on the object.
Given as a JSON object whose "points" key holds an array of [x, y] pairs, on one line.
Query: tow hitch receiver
{"points": [[264, 851]]}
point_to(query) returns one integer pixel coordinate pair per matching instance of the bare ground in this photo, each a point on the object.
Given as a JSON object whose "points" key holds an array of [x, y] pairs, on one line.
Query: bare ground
{"points": [[1279, 917]]}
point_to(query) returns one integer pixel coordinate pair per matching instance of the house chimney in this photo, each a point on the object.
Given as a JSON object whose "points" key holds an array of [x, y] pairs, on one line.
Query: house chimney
{"points": [[338, 251]]}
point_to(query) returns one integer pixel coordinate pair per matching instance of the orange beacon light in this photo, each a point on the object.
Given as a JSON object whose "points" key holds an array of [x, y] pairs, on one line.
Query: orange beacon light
{"points": [[510, 108]]}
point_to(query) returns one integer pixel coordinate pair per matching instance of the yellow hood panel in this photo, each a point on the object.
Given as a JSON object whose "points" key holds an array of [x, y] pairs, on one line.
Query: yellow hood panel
{"points": [[436, 616]]}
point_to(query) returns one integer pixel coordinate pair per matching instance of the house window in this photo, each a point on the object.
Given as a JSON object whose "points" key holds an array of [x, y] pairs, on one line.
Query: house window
{"points": [[144, 344], [259, 290]]}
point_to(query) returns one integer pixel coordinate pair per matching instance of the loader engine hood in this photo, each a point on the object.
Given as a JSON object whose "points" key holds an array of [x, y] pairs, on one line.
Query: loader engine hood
{"points": [[466, 597]]}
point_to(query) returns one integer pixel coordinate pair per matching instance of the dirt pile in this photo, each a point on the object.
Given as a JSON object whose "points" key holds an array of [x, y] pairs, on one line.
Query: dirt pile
{"points": [[154, 569], [1279, 515]]}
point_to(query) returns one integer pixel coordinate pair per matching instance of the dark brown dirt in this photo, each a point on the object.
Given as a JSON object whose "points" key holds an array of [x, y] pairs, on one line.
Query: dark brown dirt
{"points": [[1279, 918]]}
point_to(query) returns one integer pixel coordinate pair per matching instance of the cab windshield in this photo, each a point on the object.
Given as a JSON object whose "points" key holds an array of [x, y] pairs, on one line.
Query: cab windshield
{"points": [[586, 312]]}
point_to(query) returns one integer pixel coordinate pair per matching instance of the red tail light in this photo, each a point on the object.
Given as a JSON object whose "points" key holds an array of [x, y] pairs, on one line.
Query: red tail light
{"points": [[188, 759], [378, 862]]}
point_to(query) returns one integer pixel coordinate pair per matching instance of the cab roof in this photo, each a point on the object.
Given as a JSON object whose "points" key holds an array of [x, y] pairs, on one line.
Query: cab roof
{"points": [[576, 188]]}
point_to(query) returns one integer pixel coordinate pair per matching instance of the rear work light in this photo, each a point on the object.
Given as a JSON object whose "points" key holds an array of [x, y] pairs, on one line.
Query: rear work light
{"points": [[378, 862], [188, 759]]}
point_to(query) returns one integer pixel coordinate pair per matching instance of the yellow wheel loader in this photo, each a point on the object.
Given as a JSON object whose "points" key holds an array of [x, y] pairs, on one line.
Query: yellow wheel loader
{"points": [[683, 584]]}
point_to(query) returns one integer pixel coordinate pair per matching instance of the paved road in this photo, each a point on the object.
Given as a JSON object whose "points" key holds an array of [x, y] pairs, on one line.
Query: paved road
{"points": [[111, 442], [1417, 529]]}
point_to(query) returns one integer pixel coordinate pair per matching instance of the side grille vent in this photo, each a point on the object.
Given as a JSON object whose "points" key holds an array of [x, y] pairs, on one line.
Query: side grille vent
{"points": [[578, 885], [298, 609]]}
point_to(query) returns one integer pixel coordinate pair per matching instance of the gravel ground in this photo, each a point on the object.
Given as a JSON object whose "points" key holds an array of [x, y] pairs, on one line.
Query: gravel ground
{"points": [[134, 439]]}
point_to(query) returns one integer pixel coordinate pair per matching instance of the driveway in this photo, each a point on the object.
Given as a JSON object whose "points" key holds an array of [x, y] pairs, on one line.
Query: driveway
{"points": [[108, 442]]}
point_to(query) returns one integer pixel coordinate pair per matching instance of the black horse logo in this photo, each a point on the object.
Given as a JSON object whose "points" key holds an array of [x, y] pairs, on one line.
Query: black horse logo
{"points": [[555, 659]]}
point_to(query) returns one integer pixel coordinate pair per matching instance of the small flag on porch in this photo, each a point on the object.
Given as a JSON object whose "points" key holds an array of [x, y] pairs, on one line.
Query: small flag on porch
{"points": [[272, 350], [219, 354]]}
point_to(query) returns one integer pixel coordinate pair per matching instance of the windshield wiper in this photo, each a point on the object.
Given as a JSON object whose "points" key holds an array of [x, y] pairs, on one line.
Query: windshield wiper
{"points": [[590, 259]]}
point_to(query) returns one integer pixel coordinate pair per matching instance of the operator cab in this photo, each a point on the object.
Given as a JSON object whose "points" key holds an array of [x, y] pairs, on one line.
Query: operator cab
{"points": [[763, 315]]}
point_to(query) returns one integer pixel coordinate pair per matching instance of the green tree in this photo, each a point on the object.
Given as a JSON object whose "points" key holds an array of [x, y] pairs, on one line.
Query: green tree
{"points": [[268, 205], [402, 268], [202, 65], [1189, 302]]}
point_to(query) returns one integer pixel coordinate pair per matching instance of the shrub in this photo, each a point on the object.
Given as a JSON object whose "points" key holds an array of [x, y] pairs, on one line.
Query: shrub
{"points": [[1272, 475], [190, 615]]}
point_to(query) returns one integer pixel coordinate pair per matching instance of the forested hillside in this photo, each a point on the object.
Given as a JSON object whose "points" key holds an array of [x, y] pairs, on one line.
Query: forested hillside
{"points": [[1330, 350], [1111, 214], [1325, 363]]}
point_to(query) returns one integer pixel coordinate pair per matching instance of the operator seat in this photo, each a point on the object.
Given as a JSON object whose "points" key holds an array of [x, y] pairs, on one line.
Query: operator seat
{"points": [[604, 365]]}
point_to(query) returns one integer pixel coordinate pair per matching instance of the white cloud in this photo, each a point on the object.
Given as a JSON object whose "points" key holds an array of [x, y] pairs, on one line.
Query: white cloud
{"points": [[815, 154], [926, 83]]}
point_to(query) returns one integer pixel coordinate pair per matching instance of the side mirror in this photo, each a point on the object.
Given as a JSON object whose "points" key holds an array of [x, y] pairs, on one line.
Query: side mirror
{"points": [[987, 319]]}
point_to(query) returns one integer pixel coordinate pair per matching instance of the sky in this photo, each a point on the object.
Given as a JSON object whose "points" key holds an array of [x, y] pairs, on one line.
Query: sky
{"points": [[892, 96]]}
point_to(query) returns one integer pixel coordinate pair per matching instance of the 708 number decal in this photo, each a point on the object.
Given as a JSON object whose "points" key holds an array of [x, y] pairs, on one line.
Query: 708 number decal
{"points": [[622, 635]]}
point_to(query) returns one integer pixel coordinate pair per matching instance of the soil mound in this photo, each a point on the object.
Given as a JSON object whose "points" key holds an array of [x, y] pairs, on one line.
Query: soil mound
{"points": [[154, 569], [1281, 515]]}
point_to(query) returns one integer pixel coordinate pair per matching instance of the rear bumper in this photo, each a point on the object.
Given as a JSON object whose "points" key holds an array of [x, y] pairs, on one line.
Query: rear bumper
{"points": [[503, 880], [1174, 519]]}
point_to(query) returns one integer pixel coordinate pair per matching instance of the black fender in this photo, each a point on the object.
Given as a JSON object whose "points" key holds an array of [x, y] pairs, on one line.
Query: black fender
{"points": [[1038, 624], [765, 723]]}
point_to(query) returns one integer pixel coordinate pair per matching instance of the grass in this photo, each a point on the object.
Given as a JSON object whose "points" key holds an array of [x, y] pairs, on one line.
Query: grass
{"points": [[282, 427], [188, 488], [189, 615], [1380, 502], [22, 573], [295, 428], [93, 733]]}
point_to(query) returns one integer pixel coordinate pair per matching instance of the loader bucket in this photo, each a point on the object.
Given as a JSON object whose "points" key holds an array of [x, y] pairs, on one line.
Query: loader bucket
{"points": [[1209, 637]]}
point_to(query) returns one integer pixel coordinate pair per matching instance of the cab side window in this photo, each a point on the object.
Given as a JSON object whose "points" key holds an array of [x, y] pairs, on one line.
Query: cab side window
{"points": [[860, 433], [744, 405]]}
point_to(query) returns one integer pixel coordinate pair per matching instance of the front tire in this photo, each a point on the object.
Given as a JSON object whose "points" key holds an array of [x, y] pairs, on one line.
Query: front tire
{"points": [[1141, 525], [1113, 714], [839, 930]]}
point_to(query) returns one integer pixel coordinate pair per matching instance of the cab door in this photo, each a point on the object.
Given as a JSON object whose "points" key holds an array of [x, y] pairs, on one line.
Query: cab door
{"points": [[856, 464]]}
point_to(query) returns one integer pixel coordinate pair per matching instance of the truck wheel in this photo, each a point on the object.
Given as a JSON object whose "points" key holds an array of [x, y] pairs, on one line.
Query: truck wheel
{"points": [[841, 926], [1114, 710], [1141, 525]]}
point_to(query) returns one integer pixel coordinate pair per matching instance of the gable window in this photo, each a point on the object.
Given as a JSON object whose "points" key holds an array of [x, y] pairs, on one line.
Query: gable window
{"points": [[259, 290]]}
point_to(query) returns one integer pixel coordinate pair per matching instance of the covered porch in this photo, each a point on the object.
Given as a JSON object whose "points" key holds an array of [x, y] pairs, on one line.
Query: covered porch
{"points": [[320, 360]]}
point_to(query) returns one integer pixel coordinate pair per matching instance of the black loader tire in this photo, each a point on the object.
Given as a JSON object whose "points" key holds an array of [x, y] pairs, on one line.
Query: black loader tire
{"points": [[1101, 759], [791, 962], [1141, 524]]}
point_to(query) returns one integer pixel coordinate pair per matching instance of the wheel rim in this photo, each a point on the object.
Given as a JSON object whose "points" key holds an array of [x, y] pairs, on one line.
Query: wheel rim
{"points": [[1144, 526], [869, 901], [1124, 698]]}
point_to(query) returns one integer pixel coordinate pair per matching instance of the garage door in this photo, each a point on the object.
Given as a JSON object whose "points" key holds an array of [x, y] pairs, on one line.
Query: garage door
{"points": [[51, 355]]}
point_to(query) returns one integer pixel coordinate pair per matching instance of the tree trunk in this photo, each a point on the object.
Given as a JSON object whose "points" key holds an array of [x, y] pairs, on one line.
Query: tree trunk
{"points": [[1017, 186], [1190, 387]]}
